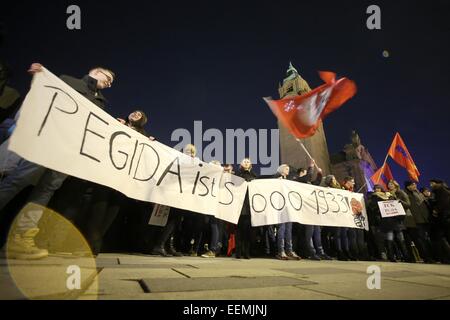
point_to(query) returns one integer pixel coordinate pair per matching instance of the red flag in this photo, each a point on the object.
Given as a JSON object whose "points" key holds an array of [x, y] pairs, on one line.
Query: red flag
{"points": [[302, 114], [382, 176], [401, 155]]}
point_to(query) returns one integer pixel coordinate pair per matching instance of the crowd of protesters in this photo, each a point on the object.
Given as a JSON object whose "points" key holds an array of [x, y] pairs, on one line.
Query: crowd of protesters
{"points": [[111, 221]]}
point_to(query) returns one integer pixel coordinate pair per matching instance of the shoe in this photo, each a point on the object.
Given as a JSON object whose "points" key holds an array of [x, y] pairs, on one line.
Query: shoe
{"points": [[193, 254], [23, 247], [209, 254], [342, 256], [247, 257], [173, 252], [324, 256], [350, 256], [314, 257], [159, 251], [282, 256], [292, 255]]}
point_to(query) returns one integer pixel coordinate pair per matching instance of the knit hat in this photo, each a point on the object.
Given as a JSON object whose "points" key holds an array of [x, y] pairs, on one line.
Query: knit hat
{"points": [[408, 183], [379, 186]]}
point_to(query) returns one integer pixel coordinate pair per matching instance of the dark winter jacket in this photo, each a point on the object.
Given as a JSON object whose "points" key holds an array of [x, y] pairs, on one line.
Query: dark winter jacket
{"points": [[441, 203], [403, 198], [308, 178], [87, 87], [376, 220], [247, 176], [419, 208]]}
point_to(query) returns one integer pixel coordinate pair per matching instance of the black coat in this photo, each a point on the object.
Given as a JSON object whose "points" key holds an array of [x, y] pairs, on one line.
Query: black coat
{"points": [[308, 178], [385, 224], [247, 176], [419, 207], [87, 87], [441, 203]]}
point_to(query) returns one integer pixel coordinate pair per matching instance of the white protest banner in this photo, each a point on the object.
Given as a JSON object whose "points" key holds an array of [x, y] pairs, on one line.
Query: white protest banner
{"points": [[274, 201], [231, 201], [159, 216], [60, 129], [391, 208]]}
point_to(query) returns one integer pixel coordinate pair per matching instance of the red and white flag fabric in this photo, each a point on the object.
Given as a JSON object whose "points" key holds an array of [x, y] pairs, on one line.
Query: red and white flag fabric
{"points": [[302, 114]]}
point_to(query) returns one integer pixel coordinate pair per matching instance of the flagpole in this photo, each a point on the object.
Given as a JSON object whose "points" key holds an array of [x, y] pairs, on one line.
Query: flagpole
{"points": [[304, 148], [379, 177], [385, 160]]}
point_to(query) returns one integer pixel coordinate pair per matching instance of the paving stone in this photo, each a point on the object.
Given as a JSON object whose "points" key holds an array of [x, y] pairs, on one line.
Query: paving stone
{"points": [[200, 284], [309, 271]]}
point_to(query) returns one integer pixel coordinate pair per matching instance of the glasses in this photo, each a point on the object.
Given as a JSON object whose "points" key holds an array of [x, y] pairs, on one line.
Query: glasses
{"points": [[109, 79]]}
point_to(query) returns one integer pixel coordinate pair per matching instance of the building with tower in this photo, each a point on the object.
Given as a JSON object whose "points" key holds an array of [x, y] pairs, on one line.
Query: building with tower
{"points": [[291, 151]]}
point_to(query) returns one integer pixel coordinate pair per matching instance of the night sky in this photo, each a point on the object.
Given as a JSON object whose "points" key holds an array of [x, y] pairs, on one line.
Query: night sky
{"points": [[215, 60]]}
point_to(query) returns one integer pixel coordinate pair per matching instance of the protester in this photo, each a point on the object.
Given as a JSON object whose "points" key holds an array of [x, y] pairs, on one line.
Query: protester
{"points": [[339, 233], [440, 219], [214, 245], [23, 246], [244, 227], [358, 246], [419, 233], [284, 232], [404, 222], [176, 217]]}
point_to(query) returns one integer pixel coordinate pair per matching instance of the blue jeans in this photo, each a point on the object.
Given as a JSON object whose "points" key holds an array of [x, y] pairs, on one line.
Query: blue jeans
{"points": [[269, 237], [284, 237], [214, 245], [389, 236], [313, 240], [23, 175], [356, 239], [341, 238]]}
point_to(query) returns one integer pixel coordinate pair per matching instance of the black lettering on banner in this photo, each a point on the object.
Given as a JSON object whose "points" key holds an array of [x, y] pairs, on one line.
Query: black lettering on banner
{"points": [[132, 158], [177, 173], [196, 179], [51, 106], [111, 141], [290, 201], [317, 201], [347, 203], [86, 130], [231, 193], [253, 202], [334, 200], [206, 187], [342, 200], [139, 161], [321, 194], [212, 187], [271, 202]]}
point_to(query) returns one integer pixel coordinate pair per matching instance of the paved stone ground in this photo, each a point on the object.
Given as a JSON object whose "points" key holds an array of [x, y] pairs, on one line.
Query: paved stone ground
{"points": [[128, 276]]}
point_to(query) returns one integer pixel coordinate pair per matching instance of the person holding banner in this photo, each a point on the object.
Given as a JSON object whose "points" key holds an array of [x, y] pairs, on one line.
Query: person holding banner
{"points": [[176, 217], [355, 236], [339, 233], [215, 225], [244, 226], [284, 232], [403, 221], [312, 234], [383, 228], [23, 245]]}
